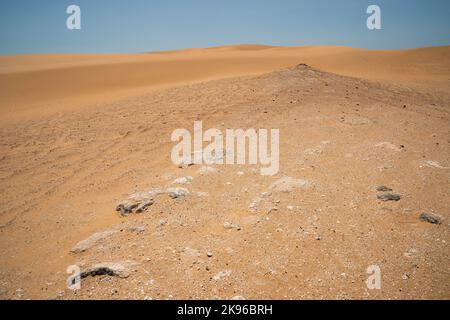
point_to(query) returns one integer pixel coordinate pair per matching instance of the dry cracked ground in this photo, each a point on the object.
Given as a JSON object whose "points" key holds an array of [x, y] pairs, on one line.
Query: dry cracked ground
{"points": [[364, 180]]}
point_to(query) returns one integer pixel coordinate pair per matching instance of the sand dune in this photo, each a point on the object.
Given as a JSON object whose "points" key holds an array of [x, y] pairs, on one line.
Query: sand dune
{"points": [[82, 133], [30, 81]]}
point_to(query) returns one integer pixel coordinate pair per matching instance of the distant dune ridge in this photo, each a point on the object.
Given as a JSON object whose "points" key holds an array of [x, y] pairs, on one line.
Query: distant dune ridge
{"points": [[31, 79]]}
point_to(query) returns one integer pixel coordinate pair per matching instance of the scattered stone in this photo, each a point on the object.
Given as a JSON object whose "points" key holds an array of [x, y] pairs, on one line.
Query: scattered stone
{"points": [[287, 184], [209, 254], [389, 196], [405, 276], [257, 200], [139, 202], [176, 193], [229, 225], [435, 164], [185, 165], [238, 298], [383, 189], [183, 180], [314, 151], [137, 229], [144, 205], [92, 241], [127, 208], [388, 145], [162, 222], [222, 274], [272, 209], [385, 166], [113, 269], [318, 237], [191, 252], [431, 218]]}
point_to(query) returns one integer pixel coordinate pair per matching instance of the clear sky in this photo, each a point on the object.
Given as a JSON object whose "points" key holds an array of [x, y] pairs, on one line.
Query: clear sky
{"points": [[116, 26]]}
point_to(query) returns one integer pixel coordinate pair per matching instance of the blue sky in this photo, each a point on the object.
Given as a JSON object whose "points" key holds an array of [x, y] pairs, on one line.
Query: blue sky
{"points": [[116, 26]]}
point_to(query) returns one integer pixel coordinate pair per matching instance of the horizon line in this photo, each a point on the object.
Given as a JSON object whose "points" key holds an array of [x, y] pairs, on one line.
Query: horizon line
{"points": [[220, 47]]}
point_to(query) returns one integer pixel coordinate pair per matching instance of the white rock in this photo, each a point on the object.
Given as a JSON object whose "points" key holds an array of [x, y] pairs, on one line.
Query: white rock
{"points": [[205, 170], [222, 274], [229, 225], [92, 241], [388, 145], [288, 184], [435, 164], [177, 192], [191, 252], [183, 180]]}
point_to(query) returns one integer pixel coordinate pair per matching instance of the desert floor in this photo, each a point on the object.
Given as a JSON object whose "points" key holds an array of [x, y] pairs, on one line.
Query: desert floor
{"points": [[82, 133]]}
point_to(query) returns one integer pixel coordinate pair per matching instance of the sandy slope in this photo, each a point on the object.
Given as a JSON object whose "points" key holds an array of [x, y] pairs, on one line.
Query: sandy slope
{"points": [[30, 80], [81, 133]]}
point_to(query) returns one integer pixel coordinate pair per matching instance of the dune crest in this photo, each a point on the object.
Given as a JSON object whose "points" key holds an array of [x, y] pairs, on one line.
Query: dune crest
{"points": [[28, 81]]}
